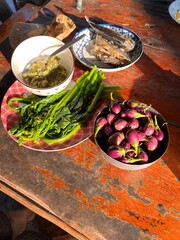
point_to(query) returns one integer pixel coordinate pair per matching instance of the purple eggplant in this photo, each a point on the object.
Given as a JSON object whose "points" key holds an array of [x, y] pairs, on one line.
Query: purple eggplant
{"points": [[141, 135], [133, 123], [132, 113], [151, 143], [100, 123], [158, 133], [149, 130], [130, 159], [116, 152], [108, 130], [143, 156], [133, 104], [133, 138], [116, 108], [122, 114], [130, 153], [149, 127], [126, 144], [124, 160], [115, 139], [120, 124], [111, 118]]}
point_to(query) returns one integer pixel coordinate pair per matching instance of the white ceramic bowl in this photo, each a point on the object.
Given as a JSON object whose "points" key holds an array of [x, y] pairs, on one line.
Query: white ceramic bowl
{"points": [[34, 47], [153, 157]]}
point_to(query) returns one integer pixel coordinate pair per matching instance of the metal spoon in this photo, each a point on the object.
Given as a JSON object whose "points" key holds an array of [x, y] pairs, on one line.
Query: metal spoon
{"points": [[69, 44]]}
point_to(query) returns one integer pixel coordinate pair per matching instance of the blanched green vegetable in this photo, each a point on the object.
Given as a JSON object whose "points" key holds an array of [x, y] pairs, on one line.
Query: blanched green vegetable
{"points": [[57, 117]]}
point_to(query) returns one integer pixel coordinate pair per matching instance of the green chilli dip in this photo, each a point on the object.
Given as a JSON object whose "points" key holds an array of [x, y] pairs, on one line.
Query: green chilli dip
{"points": [[45, 73]]}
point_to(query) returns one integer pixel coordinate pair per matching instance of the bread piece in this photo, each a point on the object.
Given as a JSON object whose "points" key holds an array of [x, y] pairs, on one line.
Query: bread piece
{"points": [[61, 27]]}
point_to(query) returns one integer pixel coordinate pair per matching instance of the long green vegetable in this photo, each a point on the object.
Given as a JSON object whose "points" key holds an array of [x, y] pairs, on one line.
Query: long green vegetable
{"points": [[57, 117]]}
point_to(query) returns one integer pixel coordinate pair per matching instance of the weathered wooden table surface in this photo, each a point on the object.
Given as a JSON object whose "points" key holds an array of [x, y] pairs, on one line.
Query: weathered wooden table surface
{"points": [[76, 188]]}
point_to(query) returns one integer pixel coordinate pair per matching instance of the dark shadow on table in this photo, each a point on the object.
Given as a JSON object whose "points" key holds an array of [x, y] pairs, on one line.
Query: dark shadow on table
{"points": [[157, 7], [160, 20], [157, 86], [165, 83], [5, 83]]}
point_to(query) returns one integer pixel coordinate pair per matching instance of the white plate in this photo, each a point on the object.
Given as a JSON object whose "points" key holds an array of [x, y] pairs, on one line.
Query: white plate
{"points": [[82, 48], [173, 8]]}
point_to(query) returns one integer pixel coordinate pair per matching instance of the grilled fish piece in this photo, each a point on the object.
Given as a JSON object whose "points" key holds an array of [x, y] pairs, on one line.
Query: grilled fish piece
{"points": [[121, 41], [109, 53]]}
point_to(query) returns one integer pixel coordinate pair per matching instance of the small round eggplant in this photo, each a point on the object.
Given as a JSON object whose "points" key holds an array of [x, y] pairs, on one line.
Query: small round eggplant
{"points": [[143, 156], [122, 114], [129, 159], [149, 130], [159, 134], [133, 138], [116, 108], [108, 130], [151, 143], [111, 118], [130, 154], [100, 123], [133, 123], [141, 136], [116, 152], [126, 144], [132, 113], [133, 103], [115, 139], [120, 124]]}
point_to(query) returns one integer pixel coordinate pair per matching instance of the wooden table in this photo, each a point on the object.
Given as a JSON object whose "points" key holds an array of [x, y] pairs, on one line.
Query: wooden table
{"points": [[76, 188]]}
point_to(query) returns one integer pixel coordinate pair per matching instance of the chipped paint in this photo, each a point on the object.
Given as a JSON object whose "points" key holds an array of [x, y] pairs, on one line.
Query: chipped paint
{"points": [[132, 193], [161, 209], [52, 180]]}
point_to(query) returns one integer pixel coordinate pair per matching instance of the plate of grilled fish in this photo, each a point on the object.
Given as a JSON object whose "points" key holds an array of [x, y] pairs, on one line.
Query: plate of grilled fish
{"points": [[110, 47]]}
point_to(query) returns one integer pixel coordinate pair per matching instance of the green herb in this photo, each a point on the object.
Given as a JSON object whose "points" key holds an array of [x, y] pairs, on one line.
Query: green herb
{"points": [[58, 117]]}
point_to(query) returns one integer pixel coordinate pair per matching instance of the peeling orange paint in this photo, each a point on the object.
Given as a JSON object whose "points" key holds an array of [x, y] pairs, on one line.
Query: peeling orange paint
{"points": [[81, 197], [82, 156], [137, 195], [125, 208], [53, 180]]}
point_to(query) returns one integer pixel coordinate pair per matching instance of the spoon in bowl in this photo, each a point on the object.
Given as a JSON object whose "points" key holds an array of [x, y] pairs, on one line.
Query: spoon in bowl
{"points": [[45, 58]]}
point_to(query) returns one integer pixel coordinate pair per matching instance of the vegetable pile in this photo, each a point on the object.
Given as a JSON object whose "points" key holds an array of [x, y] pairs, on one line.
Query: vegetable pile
{"points": [[129, 132], [57, 117]]}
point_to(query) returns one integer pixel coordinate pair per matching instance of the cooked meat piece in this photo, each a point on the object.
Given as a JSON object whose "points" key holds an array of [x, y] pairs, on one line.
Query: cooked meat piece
{"points": [[108, 52]]}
